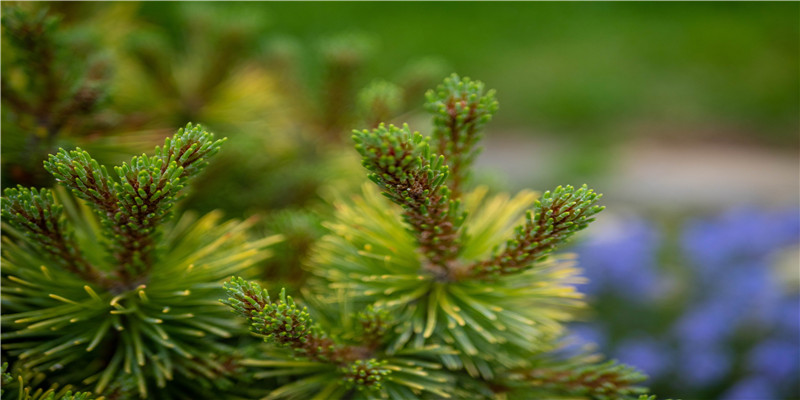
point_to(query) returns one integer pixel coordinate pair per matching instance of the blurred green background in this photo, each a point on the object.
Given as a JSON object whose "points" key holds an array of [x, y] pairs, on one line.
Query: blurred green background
{"points": [[703, 93], [584, 70]]}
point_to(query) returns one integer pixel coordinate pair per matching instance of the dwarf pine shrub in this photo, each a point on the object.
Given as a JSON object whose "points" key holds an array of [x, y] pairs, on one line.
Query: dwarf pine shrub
{"points": [[109, 293], [425, 288]]}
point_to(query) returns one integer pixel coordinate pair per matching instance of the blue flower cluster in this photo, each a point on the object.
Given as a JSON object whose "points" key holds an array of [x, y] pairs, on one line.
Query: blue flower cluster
{"points": [[706, 314]]}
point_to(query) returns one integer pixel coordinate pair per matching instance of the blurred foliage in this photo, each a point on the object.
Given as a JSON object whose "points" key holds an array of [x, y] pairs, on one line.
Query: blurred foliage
{"points": [[55, 83]]}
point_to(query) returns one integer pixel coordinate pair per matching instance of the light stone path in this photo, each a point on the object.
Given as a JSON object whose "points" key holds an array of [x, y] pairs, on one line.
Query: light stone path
{"points": [[667, 177]]}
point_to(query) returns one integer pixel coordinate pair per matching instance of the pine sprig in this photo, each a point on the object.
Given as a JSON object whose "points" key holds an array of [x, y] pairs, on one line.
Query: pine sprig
{"points": [[89, 180], [21, 388], [600, 381], [402, 165], [457, 304], [135, 205], [460, 108], [374, 324], [555, 218], [36, 214], [365, 374], [283, 322], [359, 371]]}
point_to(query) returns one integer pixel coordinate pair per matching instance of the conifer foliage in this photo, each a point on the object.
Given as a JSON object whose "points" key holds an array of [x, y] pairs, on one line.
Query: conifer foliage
{"points": [[108, 291], [23, 387], [54, 89], [453, 294]]}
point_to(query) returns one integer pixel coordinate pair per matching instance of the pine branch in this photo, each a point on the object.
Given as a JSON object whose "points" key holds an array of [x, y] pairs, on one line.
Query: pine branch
{"points": [[401, 164], [606, 381], [486, 334], [21, 388], [556, 217], [374, 324], [88, 180], [365, 374], [135, 206], [460, 108], [282, 322], [39, 218]]}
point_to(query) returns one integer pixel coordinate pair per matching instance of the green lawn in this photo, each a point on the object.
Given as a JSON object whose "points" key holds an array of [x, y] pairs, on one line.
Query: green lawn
{"points": [[579, 68]]}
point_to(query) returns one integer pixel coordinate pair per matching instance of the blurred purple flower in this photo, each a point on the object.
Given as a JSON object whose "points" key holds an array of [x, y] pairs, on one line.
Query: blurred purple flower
{"points": [[786, 227], [622, 261], [787, 317], [755, 388], [748, 287], [582, 336], [778, 360], [742, 233], [708, 323], [701, 366], [650, 356], [588, 333]]}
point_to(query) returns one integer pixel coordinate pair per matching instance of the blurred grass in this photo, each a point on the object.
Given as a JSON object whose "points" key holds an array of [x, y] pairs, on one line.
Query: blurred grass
{"points": [[587, 69]]}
